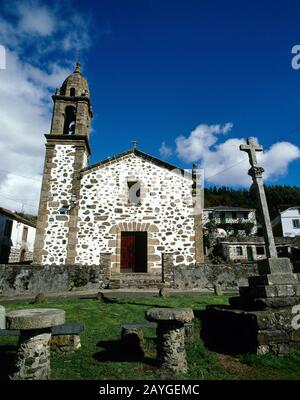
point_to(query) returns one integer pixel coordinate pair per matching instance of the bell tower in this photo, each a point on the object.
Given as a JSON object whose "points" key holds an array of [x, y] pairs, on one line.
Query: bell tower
{"points": [[67, 152]]}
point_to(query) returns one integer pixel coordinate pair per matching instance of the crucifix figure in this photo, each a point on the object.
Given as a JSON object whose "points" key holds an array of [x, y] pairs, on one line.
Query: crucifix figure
{"points": [[256, 173]]}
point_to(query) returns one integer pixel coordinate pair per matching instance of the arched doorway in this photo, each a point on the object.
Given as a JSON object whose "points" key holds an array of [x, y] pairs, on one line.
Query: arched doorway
{"points": [[22, 255]]}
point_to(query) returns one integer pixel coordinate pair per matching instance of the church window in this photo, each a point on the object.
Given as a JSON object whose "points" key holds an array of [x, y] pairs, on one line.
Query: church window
{"points": [[70, 118], [134, 192], [72, 92]]}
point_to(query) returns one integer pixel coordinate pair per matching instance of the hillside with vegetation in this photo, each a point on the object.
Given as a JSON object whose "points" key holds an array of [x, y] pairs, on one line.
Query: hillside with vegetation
{"points": [[279, 197]]}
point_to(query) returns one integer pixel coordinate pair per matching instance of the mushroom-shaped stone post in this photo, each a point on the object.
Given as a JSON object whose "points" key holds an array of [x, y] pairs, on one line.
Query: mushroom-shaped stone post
{"points": [[171, 354], [33, 355]]}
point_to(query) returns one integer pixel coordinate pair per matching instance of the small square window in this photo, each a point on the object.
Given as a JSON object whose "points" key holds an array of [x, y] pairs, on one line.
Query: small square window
{"points": [[134, 192], [296, 223], [239, 251], [260, 250]]}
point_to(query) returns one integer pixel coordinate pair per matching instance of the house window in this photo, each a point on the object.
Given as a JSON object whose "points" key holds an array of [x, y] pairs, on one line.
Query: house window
{"points": [[234, 215], [245, 215], [134, 192], [296, 223], [8, 228], [25, 233], [260, 250], [239, 251]]}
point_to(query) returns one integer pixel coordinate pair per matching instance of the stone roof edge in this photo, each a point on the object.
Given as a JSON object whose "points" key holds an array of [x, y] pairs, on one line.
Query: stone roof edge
{"points": [[11, 214], [147, 157]]}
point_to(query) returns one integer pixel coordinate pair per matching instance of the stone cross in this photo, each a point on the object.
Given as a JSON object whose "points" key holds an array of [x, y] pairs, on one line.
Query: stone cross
{"points": [[251, 148], [134, 144], [256, 173]]}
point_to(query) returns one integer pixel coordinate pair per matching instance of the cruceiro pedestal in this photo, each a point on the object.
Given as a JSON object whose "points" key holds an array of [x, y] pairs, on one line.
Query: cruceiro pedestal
{"points": [[264, 317], [33, 355], [171, 354]]}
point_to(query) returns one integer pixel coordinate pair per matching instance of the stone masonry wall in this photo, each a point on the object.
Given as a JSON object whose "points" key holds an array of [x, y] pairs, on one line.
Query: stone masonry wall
{"points": [[165, 212], [205, 276], [59, 195], [27, 279]]}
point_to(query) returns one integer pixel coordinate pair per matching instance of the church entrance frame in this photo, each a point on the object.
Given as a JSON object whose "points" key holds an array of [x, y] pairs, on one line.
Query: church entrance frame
{"points": [[117, 230], [133, 252]]}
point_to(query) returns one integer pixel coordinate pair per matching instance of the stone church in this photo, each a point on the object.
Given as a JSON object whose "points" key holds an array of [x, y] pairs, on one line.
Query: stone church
{"points": [[132, 205]]}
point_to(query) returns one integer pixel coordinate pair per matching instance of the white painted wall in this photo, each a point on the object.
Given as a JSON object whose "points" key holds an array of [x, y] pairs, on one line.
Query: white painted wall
{"points": [[287, 217]]}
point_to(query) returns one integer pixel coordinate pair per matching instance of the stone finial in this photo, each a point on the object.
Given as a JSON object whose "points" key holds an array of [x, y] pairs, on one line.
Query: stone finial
{"points": [[78, 67]]}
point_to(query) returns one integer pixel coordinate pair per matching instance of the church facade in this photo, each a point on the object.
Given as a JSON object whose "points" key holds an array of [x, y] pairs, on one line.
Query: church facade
{"points": [[133, 206]]}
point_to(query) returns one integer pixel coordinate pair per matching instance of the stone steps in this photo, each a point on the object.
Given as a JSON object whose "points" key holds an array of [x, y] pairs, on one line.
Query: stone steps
{"points": [[135, 280]]}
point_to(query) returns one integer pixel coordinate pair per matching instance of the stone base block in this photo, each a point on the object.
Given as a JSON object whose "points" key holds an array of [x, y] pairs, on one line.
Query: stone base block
{"points": [[33, 357], [275, 266], [264, 291], [237, 331], [257, 304], [274, 279], [65, 343]]}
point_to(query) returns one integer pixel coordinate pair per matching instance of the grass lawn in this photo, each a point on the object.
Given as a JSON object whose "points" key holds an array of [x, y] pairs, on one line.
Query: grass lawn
{"points": [[100, 356]]}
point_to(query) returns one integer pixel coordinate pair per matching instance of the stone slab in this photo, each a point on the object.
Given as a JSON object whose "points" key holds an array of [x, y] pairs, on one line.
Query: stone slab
{"points": [[280, 265], [237, 331], [35, 318], [286, 290], [180, 315], [262, 303], [273, 279], [272, 336]]}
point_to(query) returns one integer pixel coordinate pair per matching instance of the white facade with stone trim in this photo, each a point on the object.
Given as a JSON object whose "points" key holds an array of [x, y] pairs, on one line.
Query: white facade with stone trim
{"points": [[166, 210]]}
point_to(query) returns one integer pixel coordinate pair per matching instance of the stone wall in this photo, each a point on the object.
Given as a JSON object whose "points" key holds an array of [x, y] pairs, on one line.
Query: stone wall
{"points": [[205, 276], [27, 279]]}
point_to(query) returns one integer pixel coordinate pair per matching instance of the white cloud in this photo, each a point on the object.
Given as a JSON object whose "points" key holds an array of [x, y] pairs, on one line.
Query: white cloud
{"points": [[224, 163], [26, 86], [165, 151], [34, 20], [191, 149]]}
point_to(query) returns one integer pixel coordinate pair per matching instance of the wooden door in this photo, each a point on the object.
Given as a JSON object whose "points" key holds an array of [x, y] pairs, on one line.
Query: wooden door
{"points": [[133, 252], [127, 252], [249, 254]]}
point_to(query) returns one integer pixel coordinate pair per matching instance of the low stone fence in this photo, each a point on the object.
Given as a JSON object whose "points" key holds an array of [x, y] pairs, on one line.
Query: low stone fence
{"points": [[31, 279], [205, 276]]}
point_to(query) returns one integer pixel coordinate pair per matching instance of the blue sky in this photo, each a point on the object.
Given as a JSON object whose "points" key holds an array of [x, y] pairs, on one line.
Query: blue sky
{"points": [[196, 76]]}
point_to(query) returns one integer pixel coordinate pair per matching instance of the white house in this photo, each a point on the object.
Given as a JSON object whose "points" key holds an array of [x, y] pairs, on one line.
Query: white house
{"points": [[17, 236], [225, 216], [287, 223]]}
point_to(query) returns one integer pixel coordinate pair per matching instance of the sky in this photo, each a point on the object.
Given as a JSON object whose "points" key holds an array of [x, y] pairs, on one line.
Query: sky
{"points": [[190, 80]]}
